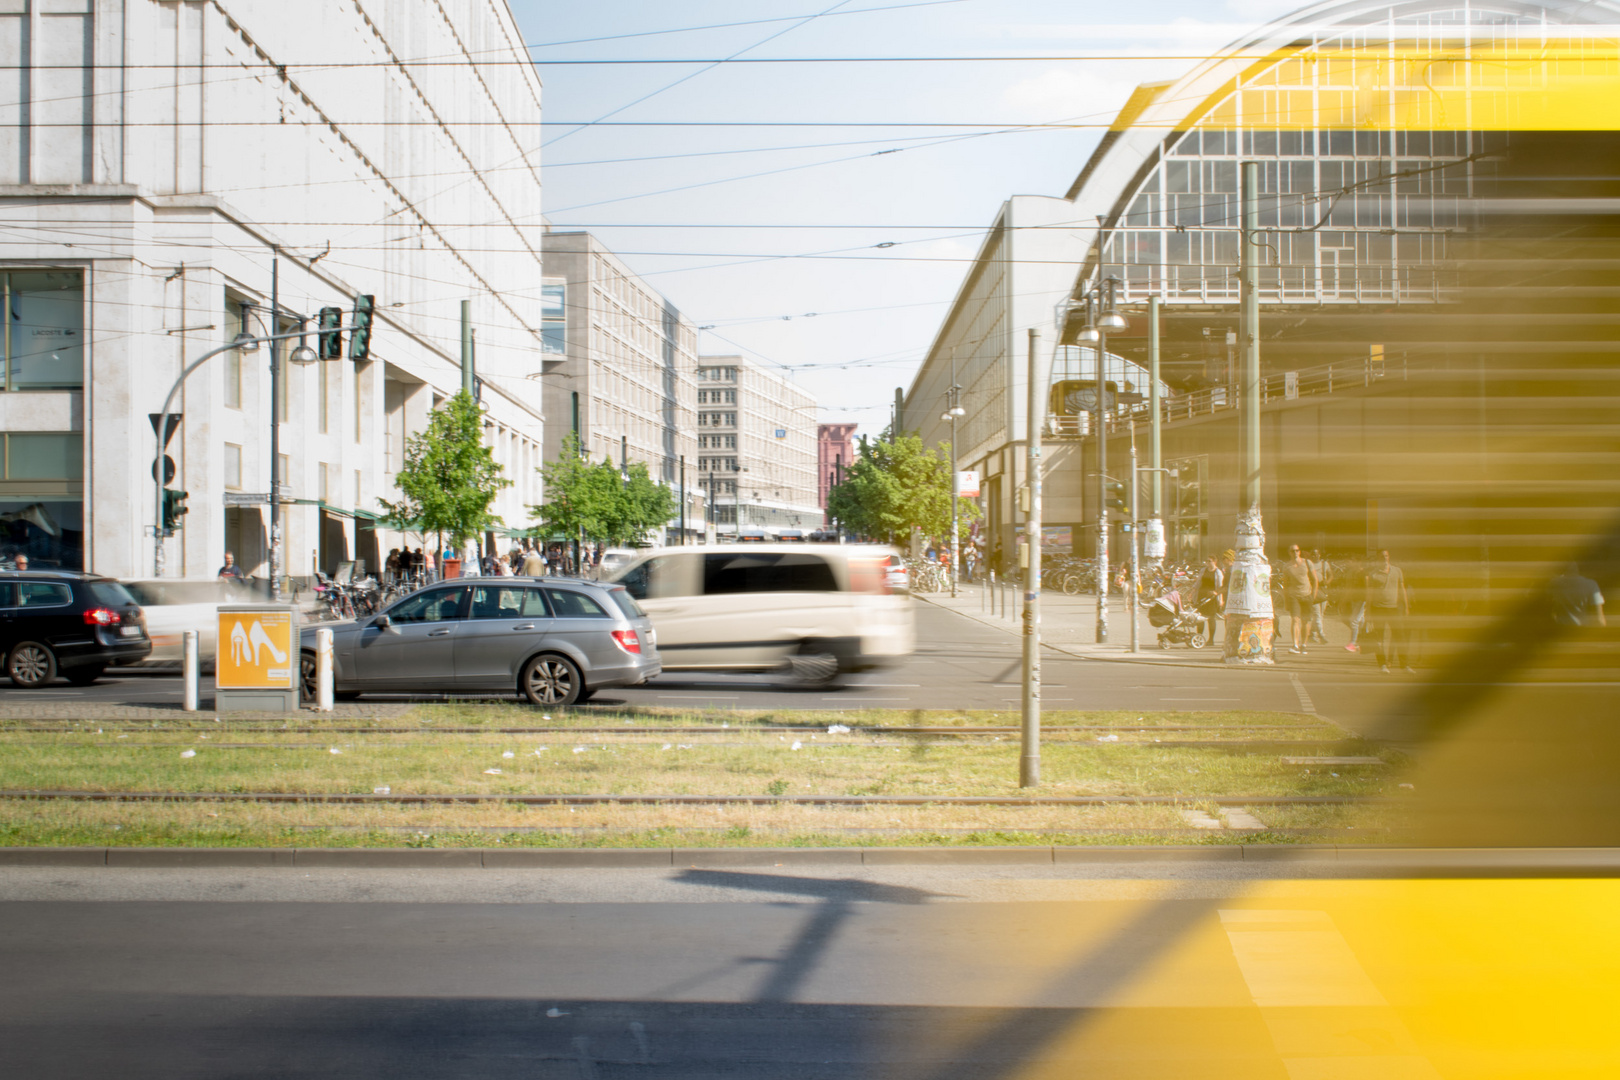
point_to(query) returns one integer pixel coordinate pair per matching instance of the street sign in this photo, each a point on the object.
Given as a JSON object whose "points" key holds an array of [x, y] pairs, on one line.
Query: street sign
{"points": [[781, 433], [168, 469], [256, 649], [246, 498], [967, 484]]}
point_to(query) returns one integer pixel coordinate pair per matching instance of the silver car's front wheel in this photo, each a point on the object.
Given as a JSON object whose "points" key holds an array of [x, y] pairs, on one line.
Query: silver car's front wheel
{"points": [[551, 680]]}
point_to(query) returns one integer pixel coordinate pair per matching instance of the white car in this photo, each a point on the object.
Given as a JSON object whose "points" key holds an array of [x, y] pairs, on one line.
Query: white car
{"points": [[175, 605], [743, 608], [615, 559]]}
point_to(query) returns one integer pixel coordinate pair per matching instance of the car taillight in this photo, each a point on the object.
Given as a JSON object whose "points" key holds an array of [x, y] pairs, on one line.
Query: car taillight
{"points": [[628, 641], [102, 617]]}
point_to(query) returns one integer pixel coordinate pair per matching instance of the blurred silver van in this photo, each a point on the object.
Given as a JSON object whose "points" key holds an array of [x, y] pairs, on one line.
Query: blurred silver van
{"points": [[813, 611]]}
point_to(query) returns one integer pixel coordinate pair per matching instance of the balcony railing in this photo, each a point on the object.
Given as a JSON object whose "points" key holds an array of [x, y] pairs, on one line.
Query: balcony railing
{"points": [[1332, 378]]}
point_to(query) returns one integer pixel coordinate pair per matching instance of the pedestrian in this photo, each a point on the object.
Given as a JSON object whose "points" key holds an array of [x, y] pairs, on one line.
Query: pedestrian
{"points": [[1299, 593], [1576, 600], [1388, 608], [1352, 596], [1211, 589], [428, 565], [229, 571], [1316, 631], [997, 565], [534, 564], [22, 561]]}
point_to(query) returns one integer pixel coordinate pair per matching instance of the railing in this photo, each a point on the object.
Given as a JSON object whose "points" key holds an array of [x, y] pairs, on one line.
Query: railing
{"points": [[1281, 386]]}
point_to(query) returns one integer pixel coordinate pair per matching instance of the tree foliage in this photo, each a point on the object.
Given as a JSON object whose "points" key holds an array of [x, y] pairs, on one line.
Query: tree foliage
{"points": [[596, 501], [895, 486], [450, 478]]}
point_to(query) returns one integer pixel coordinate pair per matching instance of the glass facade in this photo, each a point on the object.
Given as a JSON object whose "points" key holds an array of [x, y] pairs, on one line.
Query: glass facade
{"points": [[42, 499], [44, 338]]}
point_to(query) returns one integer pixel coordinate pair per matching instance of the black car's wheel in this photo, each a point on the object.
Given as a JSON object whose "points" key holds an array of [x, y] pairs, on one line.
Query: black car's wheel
{"points": [[84, 676], [31, 665], [551, 680]]}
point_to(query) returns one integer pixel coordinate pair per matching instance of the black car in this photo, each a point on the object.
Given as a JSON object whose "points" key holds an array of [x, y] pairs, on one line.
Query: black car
{"points": [[69, 624]]}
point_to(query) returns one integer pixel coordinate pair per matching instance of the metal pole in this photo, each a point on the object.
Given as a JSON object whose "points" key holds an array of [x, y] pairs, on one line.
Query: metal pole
{"points": [[1029, 761], [1249, 621], [275, 429], [1136, 547], [466, 347], [188, 664], [323, 670], [1102, 487], [1154, 447], [956, 554], [683, 500]]}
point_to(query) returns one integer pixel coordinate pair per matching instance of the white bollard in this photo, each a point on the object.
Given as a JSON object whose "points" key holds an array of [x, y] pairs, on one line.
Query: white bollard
{"points": [[189, 665], [323, 670]]}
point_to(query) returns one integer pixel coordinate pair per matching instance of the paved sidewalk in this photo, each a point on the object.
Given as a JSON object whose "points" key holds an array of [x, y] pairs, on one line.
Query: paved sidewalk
{"points": [[1069, 624]]}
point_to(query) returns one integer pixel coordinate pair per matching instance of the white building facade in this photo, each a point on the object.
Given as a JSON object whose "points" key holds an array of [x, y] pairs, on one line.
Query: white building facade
{"points": [[622, 366], [757, 446], [163, 166]]}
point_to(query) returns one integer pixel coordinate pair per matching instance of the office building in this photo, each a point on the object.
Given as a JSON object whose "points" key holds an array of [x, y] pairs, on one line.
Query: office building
{"points": [[757, 445]]}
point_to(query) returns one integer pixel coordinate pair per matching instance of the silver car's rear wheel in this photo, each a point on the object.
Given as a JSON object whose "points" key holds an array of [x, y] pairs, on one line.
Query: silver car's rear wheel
{"points": [[551, 680]]}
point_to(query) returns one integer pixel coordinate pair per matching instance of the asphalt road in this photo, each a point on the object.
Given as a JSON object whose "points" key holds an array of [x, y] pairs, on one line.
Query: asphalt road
{"points": [[932, 973], [959, 664]]}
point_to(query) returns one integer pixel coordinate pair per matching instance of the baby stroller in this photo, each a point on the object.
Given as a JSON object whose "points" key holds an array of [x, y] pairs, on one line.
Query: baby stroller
{"points": [[1177, 623]]}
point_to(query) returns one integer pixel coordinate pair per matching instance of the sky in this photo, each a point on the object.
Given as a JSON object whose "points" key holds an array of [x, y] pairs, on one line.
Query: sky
{"points": [[810, 180]]}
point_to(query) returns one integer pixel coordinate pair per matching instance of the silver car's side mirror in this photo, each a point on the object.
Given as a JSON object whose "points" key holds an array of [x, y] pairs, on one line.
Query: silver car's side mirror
{"points": [[382, 622]]}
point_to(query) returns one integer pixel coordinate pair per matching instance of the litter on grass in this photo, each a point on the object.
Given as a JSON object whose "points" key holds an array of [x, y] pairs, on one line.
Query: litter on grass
{"points": [[384, 790], [837, 729], [508, 754], [188, 753], [796, 745], [492, 772]]}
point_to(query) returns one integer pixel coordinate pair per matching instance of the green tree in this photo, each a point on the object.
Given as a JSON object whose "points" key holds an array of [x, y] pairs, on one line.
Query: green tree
{"points": [[450, 478], [597, 502], [896, 486]]}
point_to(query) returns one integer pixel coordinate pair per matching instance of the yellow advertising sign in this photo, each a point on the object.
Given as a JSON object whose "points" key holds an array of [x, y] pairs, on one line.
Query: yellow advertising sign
{"points": [[255, 650]]}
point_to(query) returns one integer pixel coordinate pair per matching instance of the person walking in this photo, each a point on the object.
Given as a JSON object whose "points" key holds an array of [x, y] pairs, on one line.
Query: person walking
{"points": [[1387, 610], [534, 564], [1299, 586], [1352, 596], [1316, 630]]}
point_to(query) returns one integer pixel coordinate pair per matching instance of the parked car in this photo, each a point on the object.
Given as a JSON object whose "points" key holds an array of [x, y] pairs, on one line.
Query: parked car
{"points": [[65, 623], [554, 641], [814, 612], [175, 605], [895, 573]]}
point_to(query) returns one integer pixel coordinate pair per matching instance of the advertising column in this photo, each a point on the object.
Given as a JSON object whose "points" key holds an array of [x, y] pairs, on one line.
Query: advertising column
{"points": [[257, 666]]}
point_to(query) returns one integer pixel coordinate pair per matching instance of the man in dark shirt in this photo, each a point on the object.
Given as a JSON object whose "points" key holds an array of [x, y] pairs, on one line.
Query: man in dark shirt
{"points": [[230, 569], [1387, 611]]}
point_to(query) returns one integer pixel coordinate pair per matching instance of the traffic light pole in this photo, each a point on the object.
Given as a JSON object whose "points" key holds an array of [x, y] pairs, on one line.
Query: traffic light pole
{"points": [[157, 461]]}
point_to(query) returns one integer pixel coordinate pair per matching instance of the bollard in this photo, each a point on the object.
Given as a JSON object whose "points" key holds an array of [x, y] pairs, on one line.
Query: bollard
{"points": [[323, 670], [188, 664]]}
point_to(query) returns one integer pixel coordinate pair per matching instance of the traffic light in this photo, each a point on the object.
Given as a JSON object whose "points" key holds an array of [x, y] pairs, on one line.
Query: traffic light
{"points": [[360, 335], [1117, 498], [331, 335], [174, 508]]}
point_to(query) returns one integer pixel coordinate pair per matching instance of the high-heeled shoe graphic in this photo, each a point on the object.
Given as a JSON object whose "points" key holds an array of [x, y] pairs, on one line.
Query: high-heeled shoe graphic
{"points": [[245, 645]]}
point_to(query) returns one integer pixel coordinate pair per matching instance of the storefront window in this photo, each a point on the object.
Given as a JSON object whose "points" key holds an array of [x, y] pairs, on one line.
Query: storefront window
{"points": [[44, 339], [41, 499]]}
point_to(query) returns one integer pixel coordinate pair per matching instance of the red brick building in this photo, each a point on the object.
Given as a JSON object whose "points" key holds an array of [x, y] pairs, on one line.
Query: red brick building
{"points": [[835, 450]]}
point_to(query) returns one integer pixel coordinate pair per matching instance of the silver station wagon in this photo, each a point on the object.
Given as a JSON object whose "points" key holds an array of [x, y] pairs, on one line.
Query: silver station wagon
{"points": [[554, 641]]}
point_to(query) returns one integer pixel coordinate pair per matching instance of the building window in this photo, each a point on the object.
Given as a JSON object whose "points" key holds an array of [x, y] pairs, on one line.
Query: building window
{"points": [[553, 315], [44, 338], [42, 499], [233, 467], [358, 482], [43, 456], [232, 373], [321, 472]]}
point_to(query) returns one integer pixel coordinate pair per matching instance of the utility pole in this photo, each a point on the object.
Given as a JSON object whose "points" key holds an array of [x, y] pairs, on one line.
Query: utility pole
{"points": [[953, 410], [275, 424], [683, 500], [1136, 548], [1029, 759], [1249, 618], [1155, 534], [1099, 416]]}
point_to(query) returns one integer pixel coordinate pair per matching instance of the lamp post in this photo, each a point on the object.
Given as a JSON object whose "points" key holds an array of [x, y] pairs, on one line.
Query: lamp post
{"points": [[954, 410], [1102, 317]]}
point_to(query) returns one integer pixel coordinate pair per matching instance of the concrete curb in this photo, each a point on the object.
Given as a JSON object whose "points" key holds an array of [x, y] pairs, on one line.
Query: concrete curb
{"points": [[1602, 862]]}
